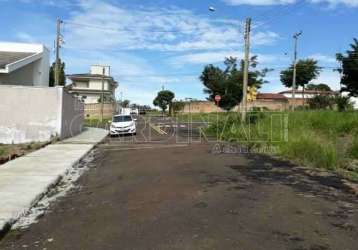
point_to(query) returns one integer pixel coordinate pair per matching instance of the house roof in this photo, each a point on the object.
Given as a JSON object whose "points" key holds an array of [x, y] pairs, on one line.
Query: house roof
{"points": [[308, 91], [74, 77], [272, 96], [88, 75], [16, 55], [8, 57]]}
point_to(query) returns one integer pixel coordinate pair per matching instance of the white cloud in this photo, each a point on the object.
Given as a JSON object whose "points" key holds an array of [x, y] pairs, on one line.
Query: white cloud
{"points": [[25, 37], [323, 59], [332, 3], [329, 77], [265, 60], [259, 2], [165, 29]]}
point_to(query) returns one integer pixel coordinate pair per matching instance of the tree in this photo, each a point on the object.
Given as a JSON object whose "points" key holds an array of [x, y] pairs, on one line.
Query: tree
{"points": [[349, 70], [178, 106], [306, 71], [321, 102], [343, 103], [164, 99], [228, 82], [124, 103], [319, 87], [62, 80]]}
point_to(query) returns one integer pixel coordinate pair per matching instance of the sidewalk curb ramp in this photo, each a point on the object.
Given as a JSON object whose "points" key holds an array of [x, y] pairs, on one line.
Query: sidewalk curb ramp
{"points": [[25, 180]]}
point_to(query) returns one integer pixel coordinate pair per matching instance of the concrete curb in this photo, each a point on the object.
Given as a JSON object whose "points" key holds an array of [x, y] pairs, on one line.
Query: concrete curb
{"points": [[25, 180]]}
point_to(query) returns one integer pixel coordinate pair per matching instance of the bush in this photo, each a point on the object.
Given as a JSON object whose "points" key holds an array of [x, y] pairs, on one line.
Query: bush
{"points": [[321, 102], [343, 103], [353, 151], [310, 152]]}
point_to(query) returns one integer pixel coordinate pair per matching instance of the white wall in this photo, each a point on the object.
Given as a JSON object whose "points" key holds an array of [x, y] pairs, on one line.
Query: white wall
{"points": [[36, 114], [97, 84]]}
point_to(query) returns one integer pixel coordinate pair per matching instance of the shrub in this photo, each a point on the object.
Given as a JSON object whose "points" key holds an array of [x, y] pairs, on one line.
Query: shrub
{"points": [[343, 103], [353, 150], [310, 152], [321, 102]]}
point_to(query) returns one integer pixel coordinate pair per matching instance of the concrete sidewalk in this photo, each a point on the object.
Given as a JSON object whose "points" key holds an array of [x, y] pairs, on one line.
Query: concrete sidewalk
{"points": [[24, 181]]}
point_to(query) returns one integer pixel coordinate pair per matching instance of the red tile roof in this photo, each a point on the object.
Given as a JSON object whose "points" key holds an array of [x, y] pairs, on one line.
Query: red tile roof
{"points": [[271, 96]]}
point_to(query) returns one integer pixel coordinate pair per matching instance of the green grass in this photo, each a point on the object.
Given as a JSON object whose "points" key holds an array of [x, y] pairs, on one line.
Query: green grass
{"points": [[96, 123], [320, 139], [353, 150], [2, 151]]}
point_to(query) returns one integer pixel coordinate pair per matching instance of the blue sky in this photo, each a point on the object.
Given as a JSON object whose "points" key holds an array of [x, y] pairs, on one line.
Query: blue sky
{"points": [[151, 43]]}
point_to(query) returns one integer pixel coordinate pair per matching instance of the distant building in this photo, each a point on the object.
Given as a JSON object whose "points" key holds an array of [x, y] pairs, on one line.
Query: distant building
{"points": [[24, 64], [270, 101], [301, 97], [88, 86]]}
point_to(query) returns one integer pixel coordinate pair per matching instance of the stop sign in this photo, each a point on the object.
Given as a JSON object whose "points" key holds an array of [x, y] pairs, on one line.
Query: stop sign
{"points": [[217, 98]]}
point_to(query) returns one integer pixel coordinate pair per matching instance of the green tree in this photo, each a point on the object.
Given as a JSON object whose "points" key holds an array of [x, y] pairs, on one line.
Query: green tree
{"points": [[125, 103], [321, 102], [349, 69], [306, 71], [319, 87], [62, 80], [343, 103], [178, 106], [228, 82], [164, 99]]}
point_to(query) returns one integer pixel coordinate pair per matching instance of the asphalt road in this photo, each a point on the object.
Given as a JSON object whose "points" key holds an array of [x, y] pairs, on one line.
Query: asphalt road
{"points": [[165, 194]]}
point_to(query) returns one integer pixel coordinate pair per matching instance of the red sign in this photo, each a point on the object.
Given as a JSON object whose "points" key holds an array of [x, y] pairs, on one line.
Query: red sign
{"points": [[217, 98]]}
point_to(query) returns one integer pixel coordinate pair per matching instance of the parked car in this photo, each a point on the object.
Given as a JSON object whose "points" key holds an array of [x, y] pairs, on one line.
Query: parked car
{"points": [[125, 111], [134, 111], [123, 124]]}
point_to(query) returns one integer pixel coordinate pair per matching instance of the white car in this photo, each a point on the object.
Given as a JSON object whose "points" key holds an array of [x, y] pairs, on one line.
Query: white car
{"points": [[122, 124]]}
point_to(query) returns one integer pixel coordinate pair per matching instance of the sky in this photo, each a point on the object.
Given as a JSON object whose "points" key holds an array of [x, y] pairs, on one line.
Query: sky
{"points": [[151, 44]]}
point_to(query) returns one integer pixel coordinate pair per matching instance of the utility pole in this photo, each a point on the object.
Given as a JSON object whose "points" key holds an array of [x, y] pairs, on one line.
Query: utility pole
{"points": [[58, 46], [102, 93], [295, 37], [246, 68]]}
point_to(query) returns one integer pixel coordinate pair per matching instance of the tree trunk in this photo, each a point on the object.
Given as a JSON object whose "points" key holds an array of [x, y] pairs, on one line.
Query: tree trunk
{"points": [[303, 95]]}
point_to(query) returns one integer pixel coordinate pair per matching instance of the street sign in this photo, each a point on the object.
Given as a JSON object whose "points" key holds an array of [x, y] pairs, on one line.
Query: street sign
{"points": [[217, 98]]}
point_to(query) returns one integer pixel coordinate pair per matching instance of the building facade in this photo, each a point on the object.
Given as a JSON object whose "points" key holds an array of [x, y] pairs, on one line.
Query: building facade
{"points": [[90, 86], [24, 64]]}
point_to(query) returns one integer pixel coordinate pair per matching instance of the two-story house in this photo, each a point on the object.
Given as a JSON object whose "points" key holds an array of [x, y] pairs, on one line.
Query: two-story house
{"points": [[90, 86]]}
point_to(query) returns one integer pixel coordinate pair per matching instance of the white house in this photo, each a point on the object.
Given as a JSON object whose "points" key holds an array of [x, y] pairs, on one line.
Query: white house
{"points": [[89, 86], [24, 64]]}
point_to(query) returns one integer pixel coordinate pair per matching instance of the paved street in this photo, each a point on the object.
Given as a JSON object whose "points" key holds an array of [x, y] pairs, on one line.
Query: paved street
{"points": [[161, 194]]}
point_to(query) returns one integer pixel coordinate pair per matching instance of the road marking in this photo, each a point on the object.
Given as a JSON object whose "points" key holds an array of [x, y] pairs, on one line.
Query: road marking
{"points": [[158, 129]]}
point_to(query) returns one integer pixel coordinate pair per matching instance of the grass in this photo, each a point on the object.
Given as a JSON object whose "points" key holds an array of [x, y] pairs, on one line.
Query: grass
{"points": [[97, 123], [10, 151], [320, 139]]}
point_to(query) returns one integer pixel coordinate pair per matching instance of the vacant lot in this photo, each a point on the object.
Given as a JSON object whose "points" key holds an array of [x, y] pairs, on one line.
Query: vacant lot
{"points": [[321, 139]]}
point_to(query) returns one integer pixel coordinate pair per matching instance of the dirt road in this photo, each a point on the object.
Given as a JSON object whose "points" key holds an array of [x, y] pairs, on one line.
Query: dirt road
{"points": [[178, 196]]}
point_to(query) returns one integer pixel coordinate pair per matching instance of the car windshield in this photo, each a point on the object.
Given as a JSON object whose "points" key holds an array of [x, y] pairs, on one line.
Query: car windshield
{"points": [[122, 118]]}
